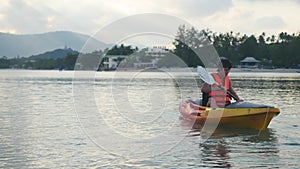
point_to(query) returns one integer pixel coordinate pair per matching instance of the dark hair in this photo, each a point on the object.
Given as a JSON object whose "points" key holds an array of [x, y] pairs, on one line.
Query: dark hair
{"points": [[225, 63]]}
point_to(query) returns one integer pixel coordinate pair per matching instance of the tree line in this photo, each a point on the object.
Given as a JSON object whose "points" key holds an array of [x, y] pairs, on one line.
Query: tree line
{"points": [[66, 63], [91, 60], [281, 51]]}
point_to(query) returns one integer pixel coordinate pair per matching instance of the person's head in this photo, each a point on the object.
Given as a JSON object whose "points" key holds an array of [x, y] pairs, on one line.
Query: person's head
{"points": [[224, 65]]}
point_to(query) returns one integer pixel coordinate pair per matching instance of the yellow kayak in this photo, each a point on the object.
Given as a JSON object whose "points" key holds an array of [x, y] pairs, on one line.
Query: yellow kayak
{"points": [[237, 115]]}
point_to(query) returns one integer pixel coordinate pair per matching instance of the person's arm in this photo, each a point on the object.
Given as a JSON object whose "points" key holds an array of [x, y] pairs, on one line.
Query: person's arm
{"points": [[206, 88], [234, 93]]}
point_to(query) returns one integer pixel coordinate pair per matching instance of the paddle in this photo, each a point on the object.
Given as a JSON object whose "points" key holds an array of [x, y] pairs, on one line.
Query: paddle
{"points": [[207, 78]]}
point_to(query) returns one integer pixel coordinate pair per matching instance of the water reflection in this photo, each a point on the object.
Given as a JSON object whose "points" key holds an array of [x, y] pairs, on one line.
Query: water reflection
{"points": [[215, 153], [39, 127], [291, 84], [228, 144]]}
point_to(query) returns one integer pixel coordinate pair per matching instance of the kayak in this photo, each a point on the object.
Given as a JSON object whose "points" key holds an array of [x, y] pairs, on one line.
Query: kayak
{"points": [[236, 115]]}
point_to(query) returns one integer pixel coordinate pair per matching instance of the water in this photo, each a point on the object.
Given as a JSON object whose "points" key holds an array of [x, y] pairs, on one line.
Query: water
{"points": [[52, 119]]}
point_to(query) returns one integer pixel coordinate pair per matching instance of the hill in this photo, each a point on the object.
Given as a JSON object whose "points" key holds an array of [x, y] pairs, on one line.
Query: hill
{"points": [[12, 45], [58, 53]]}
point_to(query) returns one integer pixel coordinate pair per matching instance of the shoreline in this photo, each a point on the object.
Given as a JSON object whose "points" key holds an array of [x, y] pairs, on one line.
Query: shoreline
{"points": [[233, 70], [266, 70], [186, 69]]}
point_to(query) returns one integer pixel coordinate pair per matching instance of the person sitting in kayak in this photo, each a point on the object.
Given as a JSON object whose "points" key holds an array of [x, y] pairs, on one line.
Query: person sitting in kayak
{"points": [[217, 96]]}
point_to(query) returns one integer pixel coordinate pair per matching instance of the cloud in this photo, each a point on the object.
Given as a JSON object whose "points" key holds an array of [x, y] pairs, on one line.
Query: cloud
{"points": [[89, 16], [255, 17], [22, 17], [203, 7], [145, 28], [272, 22]]}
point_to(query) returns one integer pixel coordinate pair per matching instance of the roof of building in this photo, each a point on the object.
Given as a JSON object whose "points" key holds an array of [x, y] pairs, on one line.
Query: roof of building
{"points": [[250, 59]]}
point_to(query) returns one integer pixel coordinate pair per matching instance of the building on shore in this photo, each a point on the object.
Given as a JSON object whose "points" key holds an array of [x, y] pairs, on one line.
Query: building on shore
{"points": [[145, 65], [141, 60], [157, 51], [249, 63], [111, 62]]}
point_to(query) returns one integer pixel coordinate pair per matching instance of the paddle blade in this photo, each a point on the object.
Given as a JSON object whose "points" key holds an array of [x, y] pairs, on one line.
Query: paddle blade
{"points": [[205, 76]]}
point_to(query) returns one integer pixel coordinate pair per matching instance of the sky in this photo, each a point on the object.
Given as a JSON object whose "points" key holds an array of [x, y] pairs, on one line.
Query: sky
{"points": [[89, 16]]}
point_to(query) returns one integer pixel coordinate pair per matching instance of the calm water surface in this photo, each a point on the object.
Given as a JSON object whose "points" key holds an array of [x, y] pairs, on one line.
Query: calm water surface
{"points": [[52, 119]]}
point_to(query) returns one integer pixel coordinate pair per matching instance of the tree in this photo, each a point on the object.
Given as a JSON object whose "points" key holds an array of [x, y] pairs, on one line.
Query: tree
{"points": [[249, 47], [261, 39], [187, 41], [69, 62], [122, 50], [4, 63]]}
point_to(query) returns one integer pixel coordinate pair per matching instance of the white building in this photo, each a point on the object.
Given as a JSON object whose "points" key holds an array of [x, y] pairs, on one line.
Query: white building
{"points": [[157, 51], [152, 64], [111, 62]]}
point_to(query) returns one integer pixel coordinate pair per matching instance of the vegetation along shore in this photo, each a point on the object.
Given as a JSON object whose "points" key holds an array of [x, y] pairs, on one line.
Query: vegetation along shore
{"points": [[280, 52]]}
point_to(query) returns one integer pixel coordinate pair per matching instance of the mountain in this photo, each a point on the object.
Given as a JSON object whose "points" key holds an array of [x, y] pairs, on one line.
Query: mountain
{"points": [[12, 45], [57, 53]]}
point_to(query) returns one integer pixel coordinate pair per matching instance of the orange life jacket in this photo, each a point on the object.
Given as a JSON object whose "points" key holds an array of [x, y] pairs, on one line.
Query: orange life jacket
{"points": [[221, 97]]}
